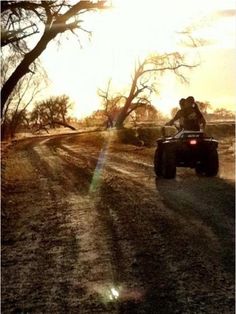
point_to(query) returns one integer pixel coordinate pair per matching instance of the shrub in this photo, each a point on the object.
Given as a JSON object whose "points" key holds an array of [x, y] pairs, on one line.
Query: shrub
{"points": [[128, 136], [145, 136], [148, 136], [220, 130]]}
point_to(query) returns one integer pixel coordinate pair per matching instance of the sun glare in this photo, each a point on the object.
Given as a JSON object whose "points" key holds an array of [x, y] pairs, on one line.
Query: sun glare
{"points": [[128, 31]]}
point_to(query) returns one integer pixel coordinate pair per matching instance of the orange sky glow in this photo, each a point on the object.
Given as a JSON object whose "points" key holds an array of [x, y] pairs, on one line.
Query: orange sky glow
{"points": [[133, 29]]}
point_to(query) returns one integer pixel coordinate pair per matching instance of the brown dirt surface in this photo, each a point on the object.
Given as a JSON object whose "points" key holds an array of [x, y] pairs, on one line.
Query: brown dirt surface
{"points": [[87, 228]]}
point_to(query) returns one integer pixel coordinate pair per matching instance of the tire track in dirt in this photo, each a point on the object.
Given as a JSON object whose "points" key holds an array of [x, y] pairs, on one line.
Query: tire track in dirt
{"points": [[82, 244], [174, 280], [95, 255], [101, 287], [54, 264], [119, 166]]}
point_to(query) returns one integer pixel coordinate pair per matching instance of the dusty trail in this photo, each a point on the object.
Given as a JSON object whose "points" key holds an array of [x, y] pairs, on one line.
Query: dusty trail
{"points": [[86, 228]]}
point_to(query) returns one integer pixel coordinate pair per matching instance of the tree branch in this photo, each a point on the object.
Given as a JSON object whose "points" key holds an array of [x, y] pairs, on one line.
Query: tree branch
{"points": [[81, 5], [13, 5], [7, 39]]}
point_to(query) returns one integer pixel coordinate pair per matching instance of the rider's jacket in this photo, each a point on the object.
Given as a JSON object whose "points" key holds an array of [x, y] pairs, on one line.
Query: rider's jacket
{"points": [[190, 118]]}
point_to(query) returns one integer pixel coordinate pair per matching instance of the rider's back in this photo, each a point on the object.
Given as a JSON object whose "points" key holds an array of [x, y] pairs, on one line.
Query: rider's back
{"points": [[192, 116], [191, 119]]}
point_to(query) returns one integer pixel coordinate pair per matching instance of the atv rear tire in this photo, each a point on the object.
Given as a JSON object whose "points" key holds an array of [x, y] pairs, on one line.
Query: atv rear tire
{"points": [[211, 163], [199, 169], [158, 162], [168, 163]]}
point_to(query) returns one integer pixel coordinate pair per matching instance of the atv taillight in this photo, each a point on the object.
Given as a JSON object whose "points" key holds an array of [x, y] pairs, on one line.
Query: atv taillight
{"points": [[193, 142]]}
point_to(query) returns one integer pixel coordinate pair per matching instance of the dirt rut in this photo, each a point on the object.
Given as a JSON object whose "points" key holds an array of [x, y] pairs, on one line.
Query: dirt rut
{"points": [[87, 228]]}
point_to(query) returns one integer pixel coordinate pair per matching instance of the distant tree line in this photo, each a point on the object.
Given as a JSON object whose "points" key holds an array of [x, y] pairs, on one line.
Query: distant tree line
{"points": [[23, 19], [22, 74], [221, 114], [210, 114], [146, 114], [47, 114]]}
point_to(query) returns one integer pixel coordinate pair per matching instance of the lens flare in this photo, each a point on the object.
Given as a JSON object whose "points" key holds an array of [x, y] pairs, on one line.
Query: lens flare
{"points": [[98, 170], [95, 183]]}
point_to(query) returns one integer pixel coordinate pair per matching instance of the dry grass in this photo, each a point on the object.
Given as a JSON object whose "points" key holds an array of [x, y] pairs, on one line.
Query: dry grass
{"points": [[18, 169]]}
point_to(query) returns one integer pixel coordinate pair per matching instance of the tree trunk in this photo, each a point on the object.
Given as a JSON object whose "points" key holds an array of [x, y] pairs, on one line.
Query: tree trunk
{"points": [[66, 125], [23, 67], [122, 116], [120, 120], [4, 131], [50, 32]]}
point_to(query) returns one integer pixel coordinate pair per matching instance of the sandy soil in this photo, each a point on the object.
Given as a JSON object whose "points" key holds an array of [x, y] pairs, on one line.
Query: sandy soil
{"points": [[87, 228]]}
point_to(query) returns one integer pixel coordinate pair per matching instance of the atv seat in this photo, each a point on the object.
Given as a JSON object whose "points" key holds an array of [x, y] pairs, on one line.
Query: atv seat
{"points": [[189, 134]]}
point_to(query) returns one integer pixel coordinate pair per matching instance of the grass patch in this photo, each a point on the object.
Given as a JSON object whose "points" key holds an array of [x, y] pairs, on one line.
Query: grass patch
{"points": [[220, 130]]}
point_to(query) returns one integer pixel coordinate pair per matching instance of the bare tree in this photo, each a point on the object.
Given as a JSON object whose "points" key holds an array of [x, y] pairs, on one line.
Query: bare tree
{"points": [[204, 106], [63, 104], [18, 22], [22, 96], [111, 104], [144, 84], [223, 114], [51, 112], [56, 16], [146, 113]]}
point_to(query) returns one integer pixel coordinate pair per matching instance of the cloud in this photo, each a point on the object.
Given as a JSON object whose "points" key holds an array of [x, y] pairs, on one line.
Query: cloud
{"points": [[210, 19], [225, 13], [213, 29]]}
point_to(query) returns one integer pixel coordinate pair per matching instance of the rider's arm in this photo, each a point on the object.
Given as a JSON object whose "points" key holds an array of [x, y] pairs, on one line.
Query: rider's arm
{"points": [[201, 118], [176, 117], [203, 122]]}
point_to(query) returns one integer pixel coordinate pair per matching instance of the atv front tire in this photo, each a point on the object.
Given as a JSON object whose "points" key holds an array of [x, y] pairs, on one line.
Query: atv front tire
{"points": [[212, 163]]}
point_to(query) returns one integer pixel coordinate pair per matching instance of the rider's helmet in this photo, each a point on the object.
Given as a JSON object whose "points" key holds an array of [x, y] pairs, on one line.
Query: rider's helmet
{"points": [[190, 101], [182, 103]]}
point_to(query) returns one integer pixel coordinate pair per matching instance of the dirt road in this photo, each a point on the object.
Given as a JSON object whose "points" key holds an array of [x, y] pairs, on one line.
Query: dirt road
{"points": [[86, 228]]}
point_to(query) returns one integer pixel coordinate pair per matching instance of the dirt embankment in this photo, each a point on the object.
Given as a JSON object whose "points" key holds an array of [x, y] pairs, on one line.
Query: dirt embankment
{"points": [[86, 228]]}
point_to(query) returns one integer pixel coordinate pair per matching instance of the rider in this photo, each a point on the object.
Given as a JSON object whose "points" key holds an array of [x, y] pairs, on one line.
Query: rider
{"points": [[179, 114], [189, 115]]}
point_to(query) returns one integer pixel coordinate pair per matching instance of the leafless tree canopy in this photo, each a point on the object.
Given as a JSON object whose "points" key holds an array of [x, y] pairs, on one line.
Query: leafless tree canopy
{"points": [[25, 91], [51, 112], [143, 84], [21, 19]]}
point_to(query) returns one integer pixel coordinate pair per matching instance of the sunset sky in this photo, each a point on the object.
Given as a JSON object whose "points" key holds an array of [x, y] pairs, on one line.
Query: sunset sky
{"points": [[133, 29]]}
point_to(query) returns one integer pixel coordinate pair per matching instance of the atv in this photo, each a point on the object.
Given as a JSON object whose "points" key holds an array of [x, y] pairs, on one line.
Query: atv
{"points": [[191, 149]]}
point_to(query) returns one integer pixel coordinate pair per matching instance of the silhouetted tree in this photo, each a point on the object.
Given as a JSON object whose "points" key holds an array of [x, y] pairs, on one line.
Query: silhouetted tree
{"points": [[146, 113], [223, 113], [111, 105], [204, 106], [143, 84], [21, 19], [51, 112], [22, 96]]}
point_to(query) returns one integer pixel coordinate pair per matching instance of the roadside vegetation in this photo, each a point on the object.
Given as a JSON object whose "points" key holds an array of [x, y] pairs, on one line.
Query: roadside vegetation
{"points": [[25, 109]]}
